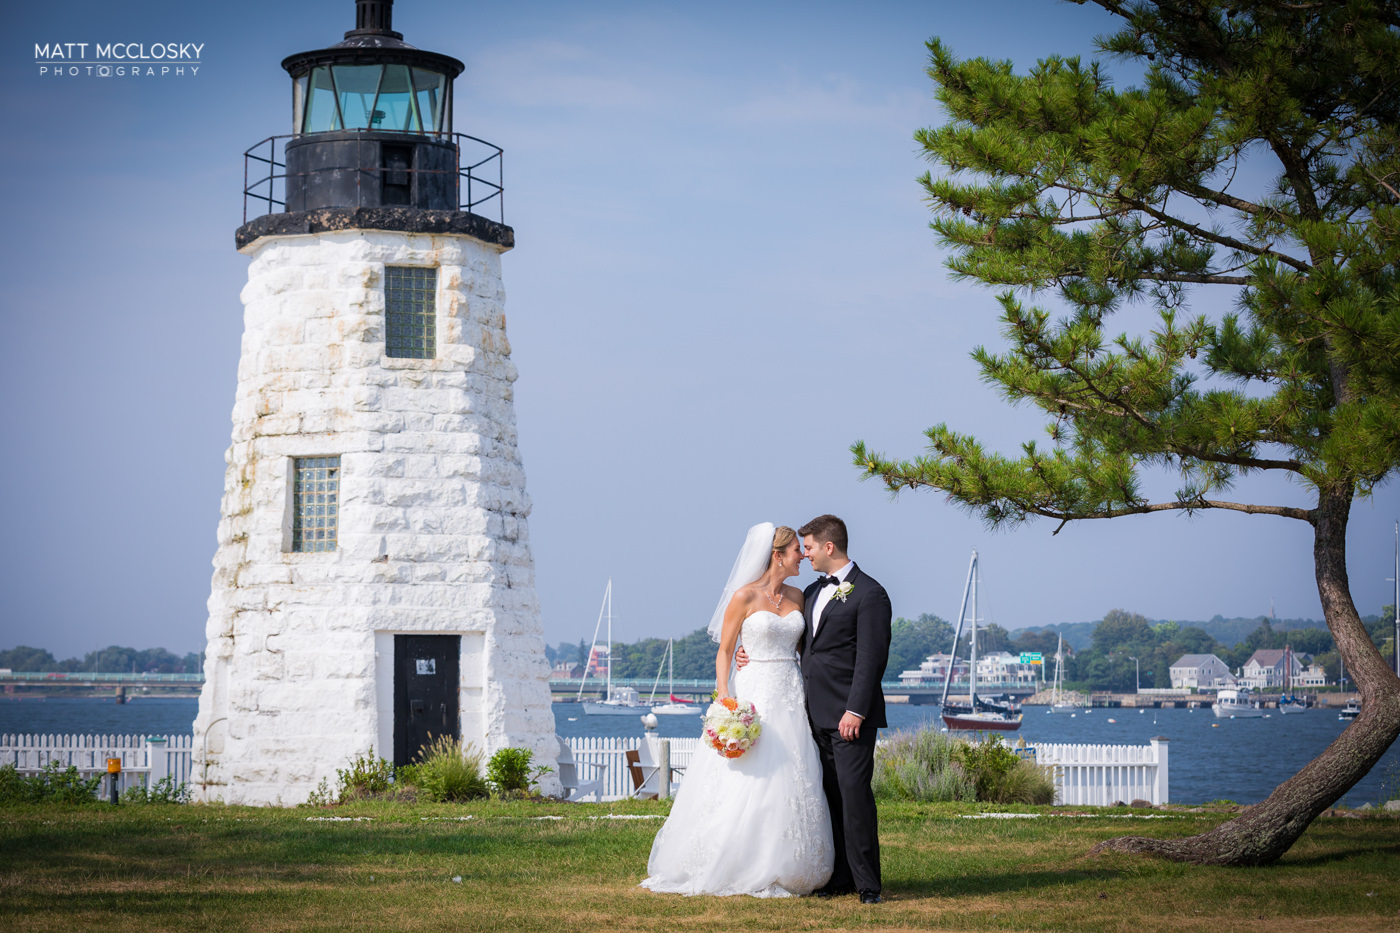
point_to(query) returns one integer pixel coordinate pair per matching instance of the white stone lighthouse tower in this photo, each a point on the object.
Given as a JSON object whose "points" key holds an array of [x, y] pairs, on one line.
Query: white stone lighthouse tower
{"points": [[373, 585]]}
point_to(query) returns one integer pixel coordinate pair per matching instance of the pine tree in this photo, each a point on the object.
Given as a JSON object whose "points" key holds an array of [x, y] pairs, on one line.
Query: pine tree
{"points": [[1260, 157]]}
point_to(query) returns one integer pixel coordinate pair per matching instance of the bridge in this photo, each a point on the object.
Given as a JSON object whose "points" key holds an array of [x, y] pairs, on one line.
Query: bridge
{"points": [[19, 683], [89, 683]]}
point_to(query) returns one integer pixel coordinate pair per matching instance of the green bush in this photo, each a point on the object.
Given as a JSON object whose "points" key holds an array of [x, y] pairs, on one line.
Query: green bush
{"points": [[448, 771], [54, 784], [367, 778], [1002, 776], [165, 791], [509, 771], [921, 766]]}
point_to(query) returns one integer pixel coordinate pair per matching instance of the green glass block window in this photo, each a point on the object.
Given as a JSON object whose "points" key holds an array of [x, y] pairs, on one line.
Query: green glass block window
{"points": [[410, 312], [315, 503]]}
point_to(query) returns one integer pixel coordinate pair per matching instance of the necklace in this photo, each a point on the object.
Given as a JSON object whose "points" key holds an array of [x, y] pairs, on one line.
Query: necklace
{"points": [[776, 602]]}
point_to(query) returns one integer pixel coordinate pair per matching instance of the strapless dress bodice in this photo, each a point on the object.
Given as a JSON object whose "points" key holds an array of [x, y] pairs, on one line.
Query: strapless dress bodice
{"points": [[768, 636]]}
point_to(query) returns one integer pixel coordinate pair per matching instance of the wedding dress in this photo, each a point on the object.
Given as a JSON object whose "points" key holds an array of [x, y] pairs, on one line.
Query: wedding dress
{"points": [[757, 824]]}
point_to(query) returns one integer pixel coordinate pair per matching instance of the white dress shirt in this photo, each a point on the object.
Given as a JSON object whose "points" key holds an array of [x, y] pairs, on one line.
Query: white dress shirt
{"points": [[824, 596], [825, 593]]}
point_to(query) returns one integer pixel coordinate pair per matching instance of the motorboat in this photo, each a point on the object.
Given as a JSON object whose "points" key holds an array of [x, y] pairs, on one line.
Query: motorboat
{"points": [[1237, 704]]}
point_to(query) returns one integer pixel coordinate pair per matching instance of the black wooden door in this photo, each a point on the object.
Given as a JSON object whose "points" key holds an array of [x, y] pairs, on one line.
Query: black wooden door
{"points": [[426, 682]]}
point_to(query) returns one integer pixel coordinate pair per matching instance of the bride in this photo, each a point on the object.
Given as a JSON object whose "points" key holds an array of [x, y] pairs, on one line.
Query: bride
{"points": [[757, 824]]}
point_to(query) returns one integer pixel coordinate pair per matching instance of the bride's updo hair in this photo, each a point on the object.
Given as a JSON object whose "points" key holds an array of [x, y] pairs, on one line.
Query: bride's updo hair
{"points": [[782, 537]]}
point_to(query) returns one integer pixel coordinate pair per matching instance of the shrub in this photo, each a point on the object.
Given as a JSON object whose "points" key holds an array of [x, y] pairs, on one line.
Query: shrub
{"points": [[921, 766], [509, 771], [54, 784], [164, 791], [449, 771], [1002, 776], [367, 778]]}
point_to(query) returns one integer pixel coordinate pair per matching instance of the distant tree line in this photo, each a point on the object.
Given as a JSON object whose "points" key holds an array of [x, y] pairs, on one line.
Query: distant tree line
{"points": [[112, 660], [1098, 655]]}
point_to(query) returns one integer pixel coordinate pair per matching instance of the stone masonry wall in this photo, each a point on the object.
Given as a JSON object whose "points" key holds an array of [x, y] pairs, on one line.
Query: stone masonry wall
{"points": [[432, 518]]}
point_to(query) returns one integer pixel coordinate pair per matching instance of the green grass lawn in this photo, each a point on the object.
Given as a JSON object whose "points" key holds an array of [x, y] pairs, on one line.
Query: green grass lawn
{"points": [[497, 866]]}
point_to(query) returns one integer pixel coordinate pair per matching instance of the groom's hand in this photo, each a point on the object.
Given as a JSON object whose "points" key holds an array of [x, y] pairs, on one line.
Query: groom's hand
{"points": [[741, 657], [849, 726]]}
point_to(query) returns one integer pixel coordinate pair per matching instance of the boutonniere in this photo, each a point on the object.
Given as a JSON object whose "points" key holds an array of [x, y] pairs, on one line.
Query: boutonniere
{"points": [[844, 590]]}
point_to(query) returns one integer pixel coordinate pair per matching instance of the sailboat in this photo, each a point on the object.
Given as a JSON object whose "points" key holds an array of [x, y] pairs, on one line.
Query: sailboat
{"points": [[978, 713], [1059, 701], [676, 706], [618, 701]]}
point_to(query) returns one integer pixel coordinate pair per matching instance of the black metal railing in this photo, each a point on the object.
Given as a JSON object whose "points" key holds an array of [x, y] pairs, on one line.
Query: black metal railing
{"points": [[479, 178]]}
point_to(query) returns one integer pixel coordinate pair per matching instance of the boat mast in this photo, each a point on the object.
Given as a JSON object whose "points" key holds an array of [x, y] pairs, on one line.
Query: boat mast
{"points": [[972, 669], [962, 614], [1395, 645], [607, 596], [588, 661]]}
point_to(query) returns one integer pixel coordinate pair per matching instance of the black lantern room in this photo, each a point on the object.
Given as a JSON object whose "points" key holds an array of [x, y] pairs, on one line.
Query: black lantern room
{"points": [[372, 120], [372, 144]]}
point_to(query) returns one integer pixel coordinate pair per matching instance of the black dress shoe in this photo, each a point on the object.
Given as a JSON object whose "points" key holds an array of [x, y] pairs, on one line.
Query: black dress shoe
{"points": [[870, 897], [827, 890]]}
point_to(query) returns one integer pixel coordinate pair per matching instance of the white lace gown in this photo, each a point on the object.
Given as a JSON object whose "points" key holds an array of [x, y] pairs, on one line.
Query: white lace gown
{"points": [[757, 824]]}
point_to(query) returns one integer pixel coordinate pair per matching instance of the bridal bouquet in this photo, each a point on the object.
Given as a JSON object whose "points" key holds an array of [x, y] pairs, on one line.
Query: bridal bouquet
{"points": [[732, 726]]}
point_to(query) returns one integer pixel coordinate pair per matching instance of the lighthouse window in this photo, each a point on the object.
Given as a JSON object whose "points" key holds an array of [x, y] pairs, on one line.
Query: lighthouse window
{"points": [[395, 106], [357, 86], [315, 503], [370, 97], [321, 112], [428, 92], [410, 312]]}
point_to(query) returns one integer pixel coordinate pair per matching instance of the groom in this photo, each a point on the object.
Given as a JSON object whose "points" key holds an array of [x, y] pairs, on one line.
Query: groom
{"points": [[845, 648]]}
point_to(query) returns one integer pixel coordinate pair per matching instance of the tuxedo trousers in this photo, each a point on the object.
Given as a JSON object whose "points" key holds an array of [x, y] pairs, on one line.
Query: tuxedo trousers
{"points": [[847, 769]]}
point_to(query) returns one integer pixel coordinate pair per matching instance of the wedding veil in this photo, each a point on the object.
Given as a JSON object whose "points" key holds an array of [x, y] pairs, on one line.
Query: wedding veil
{"points": [[748, 566]]}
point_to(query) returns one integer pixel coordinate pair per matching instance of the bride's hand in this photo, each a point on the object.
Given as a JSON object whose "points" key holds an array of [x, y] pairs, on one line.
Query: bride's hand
{"points": [[741, 657]]}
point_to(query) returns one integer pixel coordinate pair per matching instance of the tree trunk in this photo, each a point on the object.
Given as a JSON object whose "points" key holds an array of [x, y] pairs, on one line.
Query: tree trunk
{"points": [[1262, 833]]}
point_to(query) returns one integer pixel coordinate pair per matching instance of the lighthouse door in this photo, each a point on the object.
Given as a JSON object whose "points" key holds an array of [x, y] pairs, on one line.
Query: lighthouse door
{"points": [[426, 684]]}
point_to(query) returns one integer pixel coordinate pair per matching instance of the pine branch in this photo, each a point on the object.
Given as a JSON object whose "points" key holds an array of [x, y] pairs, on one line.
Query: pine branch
{"points": [[1196, 279], [1221, 198], [1192, 506]]}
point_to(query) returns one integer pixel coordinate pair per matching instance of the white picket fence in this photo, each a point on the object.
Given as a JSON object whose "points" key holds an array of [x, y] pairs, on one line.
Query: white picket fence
{"points": [[1101, 775], [1085, 775], [145, 759]]}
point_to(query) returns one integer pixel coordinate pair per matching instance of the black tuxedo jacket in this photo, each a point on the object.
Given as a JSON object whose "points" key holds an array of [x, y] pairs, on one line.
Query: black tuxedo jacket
{"points": [[843, 663]]}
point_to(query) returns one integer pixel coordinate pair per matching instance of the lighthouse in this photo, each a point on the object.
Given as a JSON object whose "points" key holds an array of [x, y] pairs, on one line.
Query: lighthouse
{"points": [[373, 585]]}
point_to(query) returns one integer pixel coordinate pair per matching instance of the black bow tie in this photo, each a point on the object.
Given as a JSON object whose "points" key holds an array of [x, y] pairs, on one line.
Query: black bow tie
{"points": [[825, 580]]}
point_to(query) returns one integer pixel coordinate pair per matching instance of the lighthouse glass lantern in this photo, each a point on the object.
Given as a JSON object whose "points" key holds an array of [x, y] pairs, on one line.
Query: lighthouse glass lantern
{"points": [[372, 122]]}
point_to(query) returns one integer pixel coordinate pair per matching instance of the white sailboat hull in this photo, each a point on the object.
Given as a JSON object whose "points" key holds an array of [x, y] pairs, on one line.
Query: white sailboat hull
{"points": [[982, 721], [604, 708], [677, 709]]}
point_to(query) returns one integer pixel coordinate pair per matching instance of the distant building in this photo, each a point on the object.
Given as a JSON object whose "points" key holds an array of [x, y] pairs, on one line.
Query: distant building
{"points": [[1201, 672], [934, 670], [1313, 676], [1004, 668], [567, 670], [1267, 667]]}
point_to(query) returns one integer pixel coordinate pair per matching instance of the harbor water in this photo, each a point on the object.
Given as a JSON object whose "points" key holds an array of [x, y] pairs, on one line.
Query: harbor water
{"points": [[1209, 758]]}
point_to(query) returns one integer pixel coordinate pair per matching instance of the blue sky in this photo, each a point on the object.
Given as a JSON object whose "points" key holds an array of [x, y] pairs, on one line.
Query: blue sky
{"points": [[723, 276]]}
